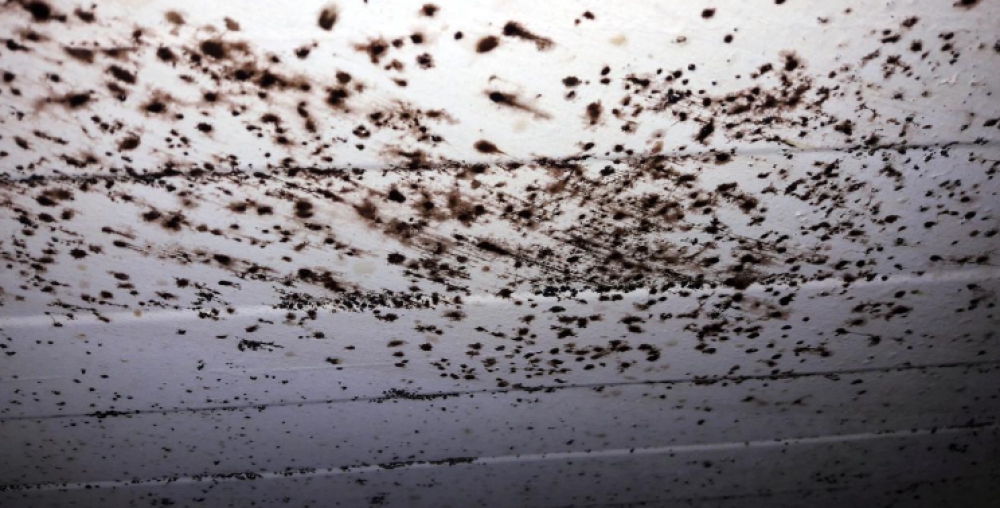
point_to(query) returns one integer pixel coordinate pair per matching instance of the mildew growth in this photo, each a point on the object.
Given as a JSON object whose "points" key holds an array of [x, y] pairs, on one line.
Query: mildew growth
{"points": [[632, 215]]}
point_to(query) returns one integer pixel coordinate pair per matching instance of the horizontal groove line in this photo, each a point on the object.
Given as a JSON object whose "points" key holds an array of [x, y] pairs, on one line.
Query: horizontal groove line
{"points": [[747, 152], [492, 460], [424, 397]]}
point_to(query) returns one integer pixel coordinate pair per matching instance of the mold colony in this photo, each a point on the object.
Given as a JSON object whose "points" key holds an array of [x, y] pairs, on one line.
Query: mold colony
{"points": [[670, 218]]}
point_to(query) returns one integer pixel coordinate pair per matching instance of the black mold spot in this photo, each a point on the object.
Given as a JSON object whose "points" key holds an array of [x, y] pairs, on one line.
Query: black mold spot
{"points": [[594, 110], [429, 10], [396, 196], [155, 106], [483, 146], [336, 97], [174, 18], [129, 143], [513, 29], [792, 61], [303, 209], [40, 11], [705, 132], [75, 100], [487, 44], [708, 13], [81, 54], [122, 74], [376, 49], [85, 16], [328, 18], [213, 48], [165, 54]]}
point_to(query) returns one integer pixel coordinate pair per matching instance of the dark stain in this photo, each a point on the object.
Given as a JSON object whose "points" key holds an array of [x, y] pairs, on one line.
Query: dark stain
{"points": [[174, 18]]}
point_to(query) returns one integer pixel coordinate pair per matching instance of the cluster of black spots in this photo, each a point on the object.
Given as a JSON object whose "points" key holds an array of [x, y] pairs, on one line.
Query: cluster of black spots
{"points": [[440, 216]]}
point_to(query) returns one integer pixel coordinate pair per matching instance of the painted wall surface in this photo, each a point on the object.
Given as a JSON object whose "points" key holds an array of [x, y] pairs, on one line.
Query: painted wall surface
{"points": [[499, 253]]}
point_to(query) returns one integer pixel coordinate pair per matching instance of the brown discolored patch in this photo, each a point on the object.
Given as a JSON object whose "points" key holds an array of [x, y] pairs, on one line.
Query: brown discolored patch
{"points": [[174, 18], [81, 54]]}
